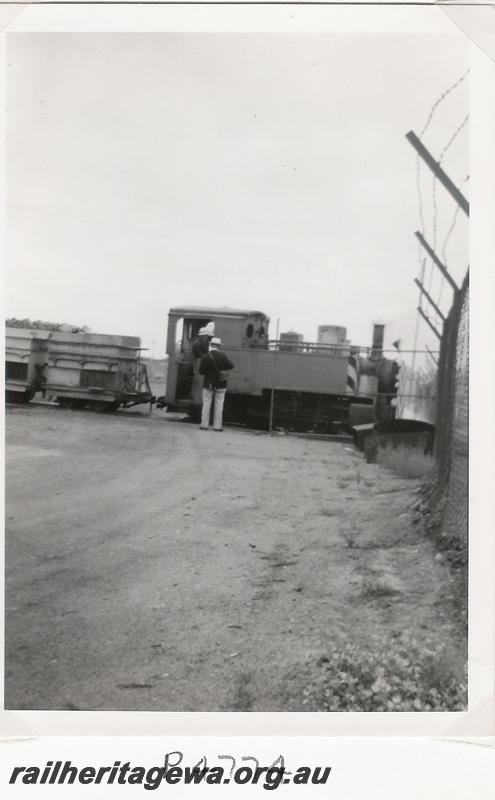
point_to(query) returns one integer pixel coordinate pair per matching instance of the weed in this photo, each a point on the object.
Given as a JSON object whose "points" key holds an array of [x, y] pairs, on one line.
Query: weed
{"points": [[330, 512], [384, 544], [243, 697], [378, 587], [398, 674], [408, 462], [350, 536]]}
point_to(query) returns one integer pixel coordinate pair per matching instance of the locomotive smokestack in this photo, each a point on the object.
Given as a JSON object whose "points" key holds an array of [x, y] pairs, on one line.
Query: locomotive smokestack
{"points": [[377, 345]]}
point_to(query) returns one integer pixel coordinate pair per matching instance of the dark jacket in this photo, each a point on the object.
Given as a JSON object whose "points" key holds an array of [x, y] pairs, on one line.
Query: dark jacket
{"points": [[211, 365], [200, 346]]}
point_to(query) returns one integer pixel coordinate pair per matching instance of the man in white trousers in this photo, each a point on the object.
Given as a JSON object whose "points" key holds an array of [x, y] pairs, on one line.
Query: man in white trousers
{"points": [[214, 366]]}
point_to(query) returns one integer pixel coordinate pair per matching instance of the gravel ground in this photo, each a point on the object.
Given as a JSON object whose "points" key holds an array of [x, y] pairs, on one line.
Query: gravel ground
{"points": [[153, 566]]}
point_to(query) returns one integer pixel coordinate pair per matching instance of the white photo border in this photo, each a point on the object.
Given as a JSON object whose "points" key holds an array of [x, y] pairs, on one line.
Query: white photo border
{"points": [[478, 720]]}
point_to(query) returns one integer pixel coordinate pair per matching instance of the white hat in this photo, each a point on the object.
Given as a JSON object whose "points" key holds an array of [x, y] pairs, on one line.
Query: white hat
{"points": [[210, 329], [216, 342], [202, 332]]}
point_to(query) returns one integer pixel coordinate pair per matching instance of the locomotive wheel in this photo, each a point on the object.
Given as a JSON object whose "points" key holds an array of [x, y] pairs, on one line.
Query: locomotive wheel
{"points": [[286, 409]]}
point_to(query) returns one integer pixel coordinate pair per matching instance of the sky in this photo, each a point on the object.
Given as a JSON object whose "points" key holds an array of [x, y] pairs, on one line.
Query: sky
{"points": [[265, 171]]}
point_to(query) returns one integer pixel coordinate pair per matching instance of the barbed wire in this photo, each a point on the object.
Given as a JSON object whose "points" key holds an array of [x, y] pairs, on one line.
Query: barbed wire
{"points": [[418, 316], [435, 184], [454, 136], [444, 246], [440, 100], [420, 196], [434, 226]]}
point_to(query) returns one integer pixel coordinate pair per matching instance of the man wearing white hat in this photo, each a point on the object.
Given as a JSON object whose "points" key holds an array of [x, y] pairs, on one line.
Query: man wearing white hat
{"points": [[202, 341], [214, 366]]}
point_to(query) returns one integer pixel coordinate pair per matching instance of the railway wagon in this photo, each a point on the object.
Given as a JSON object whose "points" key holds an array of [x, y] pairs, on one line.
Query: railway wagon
{"points": [[306, 386], [25, 362], [79, 370]]}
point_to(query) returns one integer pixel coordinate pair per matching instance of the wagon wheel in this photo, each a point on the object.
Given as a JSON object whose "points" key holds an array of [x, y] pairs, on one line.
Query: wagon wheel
{"points": [[18, 397], [111, 407], [76, 404], [98, 405]]}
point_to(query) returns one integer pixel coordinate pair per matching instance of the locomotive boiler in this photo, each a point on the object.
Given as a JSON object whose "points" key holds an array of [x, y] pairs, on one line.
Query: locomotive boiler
{"points": [[322, 387]]}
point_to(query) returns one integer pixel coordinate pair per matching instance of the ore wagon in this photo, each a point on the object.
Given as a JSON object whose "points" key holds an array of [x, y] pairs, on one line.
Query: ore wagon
{"points": [[78, 370]]}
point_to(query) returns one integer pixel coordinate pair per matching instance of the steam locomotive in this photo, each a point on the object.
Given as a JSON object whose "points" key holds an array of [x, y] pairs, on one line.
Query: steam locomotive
{"points": [[283, 383]]}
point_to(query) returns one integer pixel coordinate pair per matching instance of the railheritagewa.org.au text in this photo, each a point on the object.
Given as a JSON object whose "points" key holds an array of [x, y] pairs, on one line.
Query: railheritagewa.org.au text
{"points": [[173, 772]]}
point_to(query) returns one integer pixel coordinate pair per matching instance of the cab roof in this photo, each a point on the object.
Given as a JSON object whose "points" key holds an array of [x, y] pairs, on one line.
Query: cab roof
{"points": [[222, 311]]}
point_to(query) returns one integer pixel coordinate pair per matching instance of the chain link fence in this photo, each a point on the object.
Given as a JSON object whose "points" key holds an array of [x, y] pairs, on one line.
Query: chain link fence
{"points": [[449, 492]]}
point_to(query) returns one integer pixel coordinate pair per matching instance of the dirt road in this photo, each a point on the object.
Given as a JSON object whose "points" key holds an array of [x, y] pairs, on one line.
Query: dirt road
{"points": [[154, 566]]}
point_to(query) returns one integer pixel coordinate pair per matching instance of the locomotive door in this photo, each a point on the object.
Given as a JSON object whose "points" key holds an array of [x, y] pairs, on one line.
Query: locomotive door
{"points": [[189, 381]]}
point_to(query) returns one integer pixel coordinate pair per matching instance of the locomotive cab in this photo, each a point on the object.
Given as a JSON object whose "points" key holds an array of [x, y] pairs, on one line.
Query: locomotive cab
{"points": [[240, 331]]}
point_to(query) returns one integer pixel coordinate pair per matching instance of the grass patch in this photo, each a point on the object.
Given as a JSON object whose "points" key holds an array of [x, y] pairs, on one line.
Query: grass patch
{"points": [[378, 587], [398, 674], [331, 512], [408, 462]]}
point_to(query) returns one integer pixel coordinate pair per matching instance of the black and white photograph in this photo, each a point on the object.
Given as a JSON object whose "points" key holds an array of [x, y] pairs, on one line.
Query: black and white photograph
{"points": [[236, 371]]}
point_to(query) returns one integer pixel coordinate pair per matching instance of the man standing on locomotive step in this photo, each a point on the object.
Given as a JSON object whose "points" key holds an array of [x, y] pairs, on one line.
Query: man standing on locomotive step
{"points": [[214, 365], [202, 341], [200, 346]]}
